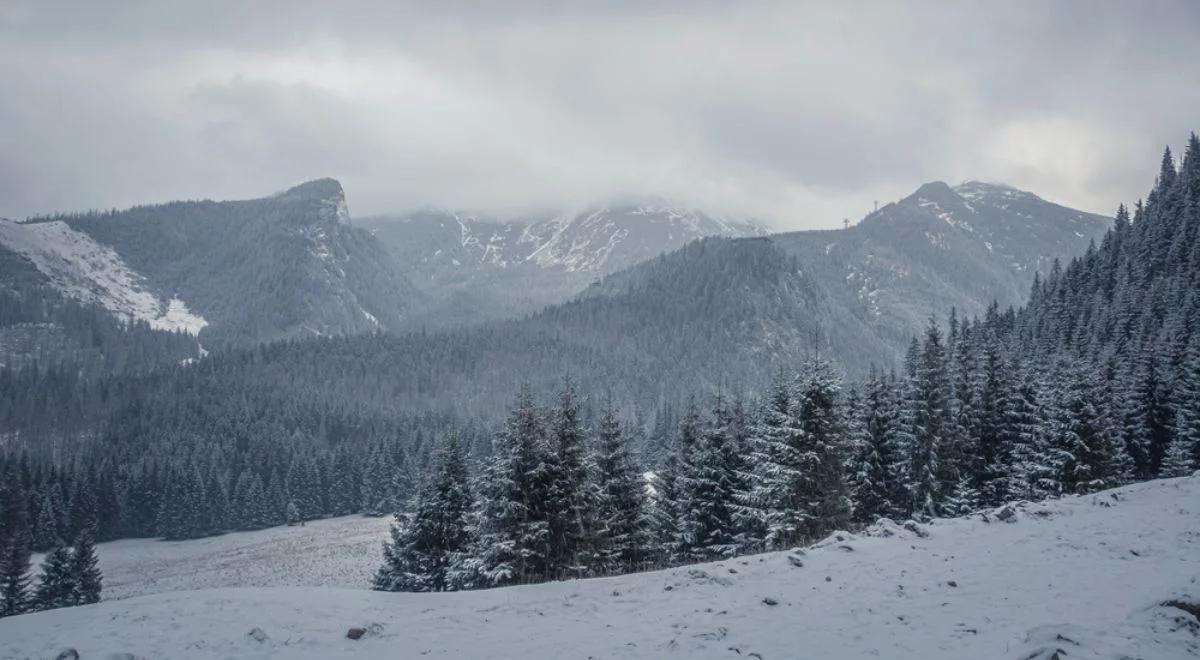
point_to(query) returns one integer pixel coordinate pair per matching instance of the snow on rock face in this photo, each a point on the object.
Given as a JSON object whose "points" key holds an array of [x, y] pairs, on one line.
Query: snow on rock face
{"points": [[83, 269], [599, 240], [1088, 575], [587, 242], [336, 208]]}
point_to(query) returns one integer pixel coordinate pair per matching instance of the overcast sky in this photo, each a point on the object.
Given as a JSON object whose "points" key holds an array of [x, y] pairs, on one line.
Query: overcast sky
{"points": [[799, 114]]}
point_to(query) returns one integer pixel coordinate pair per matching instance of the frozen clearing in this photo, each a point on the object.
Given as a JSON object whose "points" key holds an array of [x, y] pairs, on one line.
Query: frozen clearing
{"points": [[337, 552], [1086, 575]]}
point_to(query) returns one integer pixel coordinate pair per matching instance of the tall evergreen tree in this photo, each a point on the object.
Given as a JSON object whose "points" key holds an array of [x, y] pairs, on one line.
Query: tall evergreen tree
{"points": [[427, 541], [876, 488], [512, 543], [930, 417], [569, 511], [619, 498], [84, 570], [709, 484], [56, 587]]}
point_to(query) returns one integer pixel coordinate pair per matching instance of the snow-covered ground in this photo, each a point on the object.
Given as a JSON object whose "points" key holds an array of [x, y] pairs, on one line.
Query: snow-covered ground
{"points": [[338, 552], [83, 269], [1086, 575]]}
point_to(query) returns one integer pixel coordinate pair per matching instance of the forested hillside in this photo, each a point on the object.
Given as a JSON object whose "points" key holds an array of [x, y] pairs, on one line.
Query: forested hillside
{"points": [[40, 326]]}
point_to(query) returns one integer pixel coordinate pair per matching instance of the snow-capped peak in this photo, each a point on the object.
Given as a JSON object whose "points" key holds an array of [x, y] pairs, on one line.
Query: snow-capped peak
{"points": [[982, 190]]}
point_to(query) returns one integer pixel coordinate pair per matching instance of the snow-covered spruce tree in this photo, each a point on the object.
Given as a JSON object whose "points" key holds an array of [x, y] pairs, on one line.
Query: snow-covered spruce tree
{"points": [[876, 489], [781, 468], [998, 426], [1178, 460], [84, 570], [15, 548], [46, 530], [666, 502], [1030, 469], [181, 514], [1149, 416], [960, 456], [81, 506], [708, 487], [426, 540], [344, 496], [962, 499], [376, 485], [511, 544], [570, 516], [56, 587], [824, 436], [930, 417], [619, 498], [797, 480], [1084, 443], [1187, 402]]}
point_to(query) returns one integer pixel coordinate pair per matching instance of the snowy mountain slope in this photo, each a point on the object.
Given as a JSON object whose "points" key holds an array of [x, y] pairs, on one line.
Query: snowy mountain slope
{"points": [[288, 265], [81, 268], [1084, 576], [490, 267]]}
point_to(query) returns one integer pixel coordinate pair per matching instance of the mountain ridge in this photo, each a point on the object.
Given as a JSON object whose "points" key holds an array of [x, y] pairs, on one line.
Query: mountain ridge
{"points": [[274, 267]]}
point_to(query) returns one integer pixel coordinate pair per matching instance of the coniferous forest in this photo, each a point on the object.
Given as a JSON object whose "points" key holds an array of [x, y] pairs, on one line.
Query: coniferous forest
{"points": [[1095, 382]]}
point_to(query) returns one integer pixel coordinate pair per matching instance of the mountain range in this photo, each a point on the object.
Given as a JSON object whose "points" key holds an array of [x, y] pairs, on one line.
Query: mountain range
{"points": [[646, 288]]}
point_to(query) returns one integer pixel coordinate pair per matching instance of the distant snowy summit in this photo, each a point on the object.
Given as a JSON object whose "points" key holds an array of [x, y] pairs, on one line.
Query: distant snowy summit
{"points": [[326, 193], [600, 239]]}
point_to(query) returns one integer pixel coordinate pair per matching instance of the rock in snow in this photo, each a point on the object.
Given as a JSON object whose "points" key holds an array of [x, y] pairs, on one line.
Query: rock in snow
{"points": [[1064, 583]]}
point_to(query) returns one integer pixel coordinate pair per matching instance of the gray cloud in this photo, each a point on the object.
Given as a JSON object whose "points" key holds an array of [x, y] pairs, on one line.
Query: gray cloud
{"points": [[797, 113]]}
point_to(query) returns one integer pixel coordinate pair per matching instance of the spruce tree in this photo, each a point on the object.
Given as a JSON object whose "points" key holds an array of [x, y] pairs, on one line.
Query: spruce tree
{"points": [[780, 482], [998, 429], [930, 418], [375, 490], [569, 512], [84, 570], [1177, 462], [1187, 404], [56, 587], [427, 541], [512, 544], [666, 499], [962, 500], [619, 498], [875, 482], [1084, 442], [824, 436], [708, 486], [46, 530]]}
